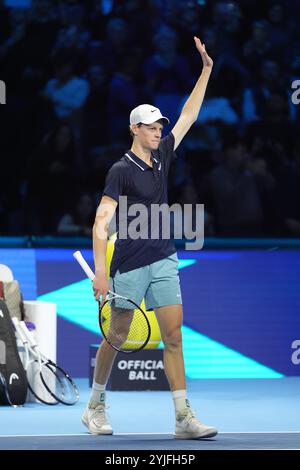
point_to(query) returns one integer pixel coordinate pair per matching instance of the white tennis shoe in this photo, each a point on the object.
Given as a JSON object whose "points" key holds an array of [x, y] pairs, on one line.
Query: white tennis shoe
{"points": [[189, 427], [95, 419]]}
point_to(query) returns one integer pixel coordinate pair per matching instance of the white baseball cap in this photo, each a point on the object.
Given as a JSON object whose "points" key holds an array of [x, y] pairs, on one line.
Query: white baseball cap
{"points": [[146, 114]]}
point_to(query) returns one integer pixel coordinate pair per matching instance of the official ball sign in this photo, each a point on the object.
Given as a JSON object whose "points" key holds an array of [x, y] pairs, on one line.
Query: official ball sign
{"points": [[143, 370]]}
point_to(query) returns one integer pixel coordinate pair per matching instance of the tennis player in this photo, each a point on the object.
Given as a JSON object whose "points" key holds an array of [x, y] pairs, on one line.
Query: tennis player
{"points": [[144, 267]]}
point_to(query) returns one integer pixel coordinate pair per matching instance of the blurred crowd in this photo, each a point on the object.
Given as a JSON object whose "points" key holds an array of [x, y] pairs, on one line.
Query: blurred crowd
{"points": [[73, 71]]}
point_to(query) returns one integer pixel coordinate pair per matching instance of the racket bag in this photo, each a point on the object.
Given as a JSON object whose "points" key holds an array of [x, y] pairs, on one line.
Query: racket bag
{"points": [[11, 366], [10, 293]]}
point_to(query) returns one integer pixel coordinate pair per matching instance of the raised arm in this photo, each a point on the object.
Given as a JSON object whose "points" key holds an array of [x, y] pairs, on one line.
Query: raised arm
{"points": [[193, 104]]}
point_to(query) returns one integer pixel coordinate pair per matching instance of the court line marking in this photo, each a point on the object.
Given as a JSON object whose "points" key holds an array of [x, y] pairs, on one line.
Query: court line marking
{"points": [[145, 434]]}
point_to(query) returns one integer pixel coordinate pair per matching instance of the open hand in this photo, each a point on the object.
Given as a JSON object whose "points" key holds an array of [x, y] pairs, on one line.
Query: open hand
{"points": [[207, 61]]}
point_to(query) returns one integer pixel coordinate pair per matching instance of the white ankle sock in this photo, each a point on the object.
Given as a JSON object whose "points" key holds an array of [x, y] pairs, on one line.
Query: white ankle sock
{"points": [[180, 400], [98, 393]]}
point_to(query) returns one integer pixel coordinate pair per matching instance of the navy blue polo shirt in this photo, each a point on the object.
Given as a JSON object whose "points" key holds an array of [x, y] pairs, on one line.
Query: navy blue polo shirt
{"points": [[146, 185]]}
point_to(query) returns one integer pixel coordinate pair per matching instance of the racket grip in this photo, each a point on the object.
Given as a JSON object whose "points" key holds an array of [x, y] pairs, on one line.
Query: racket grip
{"points": [[78, 256], [19, 331], [15, 321], [28, 334]]}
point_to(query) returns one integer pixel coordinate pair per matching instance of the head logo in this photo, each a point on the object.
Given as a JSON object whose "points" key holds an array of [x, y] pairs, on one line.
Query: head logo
{"points": [[12, 377]]}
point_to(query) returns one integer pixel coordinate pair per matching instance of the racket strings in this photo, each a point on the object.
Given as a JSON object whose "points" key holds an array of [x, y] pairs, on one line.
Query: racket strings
{"points": [[61, 386], [124, 326], [37, 376]]}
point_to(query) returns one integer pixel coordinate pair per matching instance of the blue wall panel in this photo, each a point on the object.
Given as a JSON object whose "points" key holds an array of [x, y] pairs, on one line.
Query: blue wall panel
{"points": [[241, 307]]}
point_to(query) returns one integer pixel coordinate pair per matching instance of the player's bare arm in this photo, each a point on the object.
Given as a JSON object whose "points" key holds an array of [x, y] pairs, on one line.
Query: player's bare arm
{"points": [[191, 109], [104, 215]]}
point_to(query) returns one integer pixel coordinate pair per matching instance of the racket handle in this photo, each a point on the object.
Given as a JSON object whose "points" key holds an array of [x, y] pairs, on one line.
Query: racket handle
{"points": [[18, 330], [29, 336], [78, 256], [15, 321]]}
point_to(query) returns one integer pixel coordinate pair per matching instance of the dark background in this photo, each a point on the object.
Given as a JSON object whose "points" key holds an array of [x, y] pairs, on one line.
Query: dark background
{"points": [[73, 71]]}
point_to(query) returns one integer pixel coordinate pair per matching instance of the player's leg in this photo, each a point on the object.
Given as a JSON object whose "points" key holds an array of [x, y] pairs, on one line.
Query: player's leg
{"points": [[132, 284], [188, 426], [170, 320], [164, 296], [94, 416], [120, 322]]}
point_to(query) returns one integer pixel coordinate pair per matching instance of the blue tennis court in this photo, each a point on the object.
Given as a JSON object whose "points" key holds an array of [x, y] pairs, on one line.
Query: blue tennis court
{"points": [[250, 414]]}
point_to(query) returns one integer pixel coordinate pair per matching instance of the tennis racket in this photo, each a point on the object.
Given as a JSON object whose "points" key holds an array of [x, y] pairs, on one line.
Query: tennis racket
{"points": [[4, 391], [48, 382], [124, 325]]}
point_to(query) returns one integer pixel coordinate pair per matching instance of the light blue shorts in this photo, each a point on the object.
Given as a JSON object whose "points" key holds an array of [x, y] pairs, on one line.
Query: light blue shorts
{"points": [[158, 283]]}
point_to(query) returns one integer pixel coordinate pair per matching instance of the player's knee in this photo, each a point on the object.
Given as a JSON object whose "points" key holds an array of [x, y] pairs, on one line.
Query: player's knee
{"points": [[117, 338], [173, 340]]}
